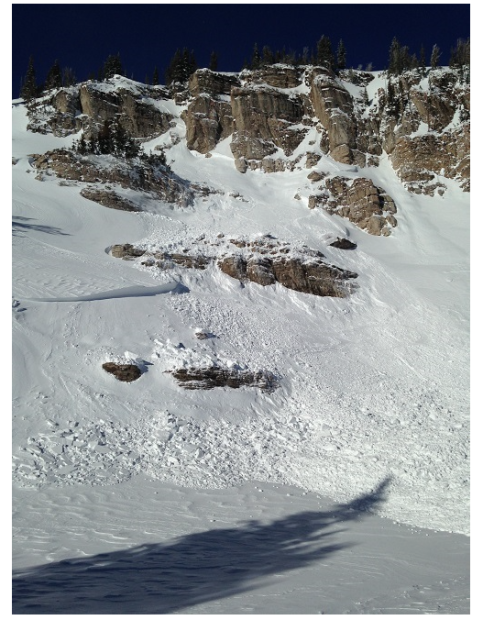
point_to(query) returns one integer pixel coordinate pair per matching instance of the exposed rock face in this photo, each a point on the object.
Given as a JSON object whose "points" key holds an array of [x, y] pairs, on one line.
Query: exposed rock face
{"points": [[264, 120], [333, 106], [139, 116], [126, 251], [445, 96], [88, 105], [168, 261], [343, 244], [123, 372], [419, 156], [264, 261], [207, 122], [278, 76], [420, 159], [213, 83], [419, 118], [312, 276], [60, 114], [315, 176], [360, 201], [269, 164], [162, 260], [105, 169], [245, 147], [312, 159], [208, 378], [202, 335], [109, 199], [209, 116]]}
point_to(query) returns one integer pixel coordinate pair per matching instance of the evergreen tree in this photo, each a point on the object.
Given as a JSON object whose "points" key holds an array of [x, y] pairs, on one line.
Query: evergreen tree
{"points": [[395, 66], [391, 98], [325, 58], [29, 86], [188, 64], [81, 146], [267, 56], [291, 58], [54, 77], [181, 66], [460, 56], [435, 56], [422, 57], [305, 56], [214, 61], [405, 58], [112, 139], [68, 77], [113, 66], [104, 140], [172, 70], [155, 81], [255, 64], [122, 144], [341, 56]]}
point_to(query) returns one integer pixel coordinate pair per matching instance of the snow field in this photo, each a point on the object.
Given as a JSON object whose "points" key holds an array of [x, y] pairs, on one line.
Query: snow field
{"points": [[372, 386], [320, 497]]}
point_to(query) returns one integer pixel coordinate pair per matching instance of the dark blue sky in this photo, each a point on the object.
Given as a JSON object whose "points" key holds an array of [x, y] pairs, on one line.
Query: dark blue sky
{"points": [[81, 36]]}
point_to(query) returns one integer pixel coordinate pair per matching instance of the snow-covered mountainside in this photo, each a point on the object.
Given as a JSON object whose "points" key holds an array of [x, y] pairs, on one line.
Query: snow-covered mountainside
{"points": [[286, 266]]}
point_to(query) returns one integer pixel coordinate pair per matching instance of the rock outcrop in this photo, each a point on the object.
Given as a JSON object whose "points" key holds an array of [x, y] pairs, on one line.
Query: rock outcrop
{"points": [[208, 121], [333, 106], [109, 199], [212, 83], [86, 106], [313, 275], [123, 372], [265, 119], [264, 261], [360, 201], [343, 244], [420, 118], [138, 112], [210, 377], [420, 160], [101, 170], [209, 116]]}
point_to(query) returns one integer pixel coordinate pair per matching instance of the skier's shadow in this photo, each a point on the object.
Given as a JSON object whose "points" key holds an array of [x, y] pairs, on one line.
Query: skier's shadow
{"points": [[197, 568]]}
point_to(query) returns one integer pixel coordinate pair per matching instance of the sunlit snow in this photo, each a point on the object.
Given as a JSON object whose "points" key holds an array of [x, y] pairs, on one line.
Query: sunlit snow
{"points": [[373, 403]]}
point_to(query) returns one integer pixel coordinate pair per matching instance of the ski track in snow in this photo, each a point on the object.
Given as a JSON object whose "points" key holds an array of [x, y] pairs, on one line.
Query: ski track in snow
{"points": [[372, 386]]}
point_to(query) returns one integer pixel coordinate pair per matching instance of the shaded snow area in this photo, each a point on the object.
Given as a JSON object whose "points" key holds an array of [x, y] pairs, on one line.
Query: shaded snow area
{"points": [[345, 489]]}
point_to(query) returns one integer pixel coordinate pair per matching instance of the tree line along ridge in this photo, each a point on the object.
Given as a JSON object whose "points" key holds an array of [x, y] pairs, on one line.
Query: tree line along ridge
{"points": [[183, 64]]}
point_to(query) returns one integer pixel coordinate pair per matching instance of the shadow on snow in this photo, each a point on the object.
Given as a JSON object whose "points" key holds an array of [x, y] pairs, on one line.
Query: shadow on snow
{"points": [[194, 569], [20, 225]]}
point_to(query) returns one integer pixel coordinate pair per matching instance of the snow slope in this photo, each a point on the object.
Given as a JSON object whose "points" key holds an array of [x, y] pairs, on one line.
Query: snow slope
{"points": [[374, 390]]}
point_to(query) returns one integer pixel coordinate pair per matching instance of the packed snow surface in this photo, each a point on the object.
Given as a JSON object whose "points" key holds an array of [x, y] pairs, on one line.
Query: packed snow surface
{"points": [[374, 388]]}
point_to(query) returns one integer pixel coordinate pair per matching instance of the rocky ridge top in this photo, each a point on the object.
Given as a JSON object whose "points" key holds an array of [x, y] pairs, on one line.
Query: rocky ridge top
{"points": [[282, 118]]}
